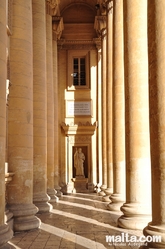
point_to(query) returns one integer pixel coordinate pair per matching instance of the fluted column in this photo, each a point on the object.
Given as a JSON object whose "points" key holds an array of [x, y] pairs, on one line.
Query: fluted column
{"points": [[20, 190], [137, 207], [118, 196], [40, 197], [50, 109], [104, 116], [5, 232], [156, 23], [109, 190]]}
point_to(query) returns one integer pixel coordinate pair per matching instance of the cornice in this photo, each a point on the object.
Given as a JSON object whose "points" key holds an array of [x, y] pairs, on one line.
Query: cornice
{"points": [[79, 129], [77, 44]]}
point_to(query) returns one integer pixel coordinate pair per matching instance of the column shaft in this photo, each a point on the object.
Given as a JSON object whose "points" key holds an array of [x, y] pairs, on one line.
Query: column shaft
{"points": [[40, 196], [118, 195], [137, 207], [56, 120], [5, 233], [99, 135], [156, 23], [20, 190], [104, 115], [50, 111], [109, 189]]}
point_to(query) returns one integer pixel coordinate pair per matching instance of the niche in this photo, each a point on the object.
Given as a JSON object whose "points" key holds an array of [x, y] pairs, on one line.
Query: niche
{"points": [[85, 151]]}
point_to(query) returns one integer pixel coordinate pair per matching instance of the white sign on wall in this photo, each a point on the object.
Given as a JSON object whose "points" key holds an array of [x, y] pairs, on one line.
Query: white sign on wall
{"points": [[81, 108]]}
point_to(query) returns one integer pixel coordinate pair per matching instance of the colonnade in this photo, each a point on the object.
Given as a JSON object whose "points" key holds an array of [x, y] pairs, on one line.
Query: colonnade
{"points": [[31, 114], [138, 115], [133, 113]]}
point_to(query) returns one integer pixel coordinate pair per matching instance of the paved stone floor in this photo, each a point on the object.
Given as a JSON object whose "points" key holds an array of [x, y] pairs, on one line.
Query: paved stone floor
{"points": [[77, 221]]}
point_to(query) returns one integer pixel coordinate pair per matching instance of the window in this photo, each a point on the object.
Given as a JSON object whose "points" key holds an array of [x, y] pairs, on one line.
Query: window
{"points": [[78, 70]]}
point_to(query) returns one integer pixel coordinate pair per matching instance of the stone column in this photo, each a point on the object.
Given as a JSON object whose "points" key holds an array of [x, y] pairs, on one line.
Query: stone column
{"points": [[118, 196], [50, 108], [99, 111], [156, 23], [100, 26], [104, 116], [99, 149], [57, 29], [109, 190], [5, 232], [40, 197], [137, 207], [20, 190]]}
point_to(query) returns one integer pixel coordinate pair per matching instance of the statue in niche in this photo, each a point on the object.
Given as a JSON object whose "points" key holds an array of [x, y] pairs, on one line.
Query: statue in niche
{"points": [[79, 159]]}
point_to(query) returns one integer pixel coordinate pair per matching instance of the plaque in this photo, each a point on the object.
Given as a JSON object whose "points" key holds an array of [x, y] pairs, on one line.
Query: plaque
{"points": [[79, 108]]}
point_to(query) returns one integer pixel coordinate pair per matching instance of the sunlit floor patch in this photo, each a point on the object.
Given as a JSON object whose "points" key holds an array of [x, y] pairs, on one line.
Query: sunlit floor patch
{"points": [[87, 243]]}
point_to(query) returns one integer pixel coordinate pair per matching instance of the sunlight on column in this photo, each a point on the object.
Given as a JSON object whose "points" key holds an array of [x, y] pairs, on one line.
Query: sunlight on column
{"points": [[72, 237]]}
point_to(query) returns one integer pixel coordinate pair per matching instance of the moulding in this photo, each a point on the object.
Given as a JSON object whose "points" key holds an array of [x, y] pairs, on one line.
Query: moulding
{"points": [[79, 129], [76, 44]]}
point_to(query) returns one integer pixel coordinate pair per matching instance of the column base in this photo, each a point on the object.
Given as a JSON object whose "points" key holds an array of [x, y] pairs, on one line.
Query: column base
{"points": [[98, 188], [52, 194], [108, 192], [59, 193], [135, 216], [103, 187], [41, 202], [116, 202], [5, 235], [153, 230], [9, 219], [24, 217]]}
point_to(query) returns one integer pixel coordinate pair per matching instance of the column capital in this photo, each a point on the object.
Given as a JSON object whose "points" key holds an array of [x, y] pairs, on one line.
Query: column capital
{"points": [[58, 27], [100, 24], [52, 7]]}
